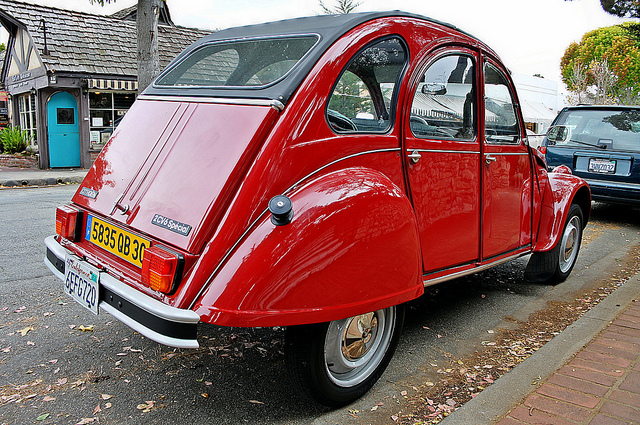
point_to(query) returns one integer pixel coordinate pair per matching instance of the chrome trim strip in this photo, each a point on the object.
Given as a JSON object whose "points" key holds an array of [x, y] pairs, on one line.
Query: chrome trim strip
{"points": [[250, 227], [335, 162], [470, 152], [442, 151], [507, 153], [612, 184], [276, 104], [430, 282], [137, 298]]}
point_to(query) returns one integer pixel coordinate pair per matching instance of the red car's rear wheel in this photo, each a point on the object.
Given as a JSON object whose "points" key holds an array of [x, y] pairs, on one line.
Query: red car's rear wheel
{"points": [[337, 362]]}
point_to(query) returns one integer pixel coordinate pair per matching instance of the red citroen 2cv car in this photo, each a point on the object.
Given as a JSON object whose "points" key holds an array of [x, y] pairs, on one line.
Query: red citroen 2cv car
{"points": [[315, 173]]}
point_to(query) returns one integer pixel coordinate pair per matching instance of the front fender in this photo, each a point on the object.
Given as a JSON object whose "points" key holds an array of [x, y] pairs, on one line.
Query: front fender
{"points": [[562, 190], [352, 247]]}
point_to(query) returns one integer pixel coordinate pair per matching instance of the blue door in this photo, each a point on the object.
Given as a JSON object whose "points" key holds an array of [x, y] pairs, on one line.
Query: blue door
{"points": [[64, 137]]}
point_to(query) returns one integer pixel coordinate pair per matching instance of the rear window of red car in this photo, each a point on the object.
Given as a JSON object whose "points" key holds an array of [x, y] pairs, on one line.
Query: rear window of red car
{"points": [[239, 63]]}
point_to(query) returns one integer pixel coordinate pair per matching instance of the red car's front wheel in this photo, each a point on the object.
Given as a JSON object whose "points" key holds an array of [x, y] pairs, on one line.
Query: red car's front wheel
{"points": [[555, 266]]}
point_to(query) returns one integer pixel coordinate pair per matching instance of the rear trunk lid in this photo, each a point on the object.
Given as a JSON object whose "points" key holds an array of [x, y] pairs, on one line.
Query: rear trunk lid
{"points": [[172, 167]]}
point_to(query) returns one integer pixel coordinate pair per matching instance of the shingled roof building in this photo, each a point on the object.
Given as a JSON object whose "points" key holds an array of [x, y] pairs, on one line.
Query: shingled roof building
{"points": [[71, 76]]}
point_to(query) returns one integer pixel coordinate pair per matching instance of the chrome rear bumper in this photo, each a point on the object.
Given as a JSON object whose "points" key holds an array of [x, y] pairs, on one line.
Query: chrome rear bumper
{"points": [[159, 322]]}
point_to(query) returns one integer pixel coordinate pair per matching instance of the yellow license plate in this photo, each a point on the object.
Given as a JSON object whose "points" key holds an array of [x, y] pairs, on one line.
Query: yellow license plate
{"points": [[117, 241]]}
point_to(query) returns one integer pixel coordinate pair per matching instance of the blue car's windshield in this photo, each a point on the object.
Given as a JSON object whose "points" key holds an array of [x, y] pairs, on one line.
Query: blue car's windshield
{"points": [[608, 129]]}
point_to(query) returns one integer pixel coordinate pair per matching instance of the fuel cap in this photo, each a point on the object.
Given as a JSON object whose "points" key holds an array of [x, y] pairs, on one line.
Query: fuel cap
{"points": [[281, 209]]}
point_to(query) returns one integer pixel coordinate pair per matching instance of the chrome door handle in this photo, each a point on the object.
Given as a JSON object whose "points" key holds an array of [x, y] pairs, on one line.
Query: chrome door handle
{"points": [[415, 156], [489, 159]]}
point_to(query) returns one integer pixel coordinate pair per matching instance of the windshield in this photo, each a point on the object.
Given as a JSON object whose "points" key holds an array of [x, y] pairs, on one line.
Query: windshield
{"points": [[240, 63], [603, 129]]}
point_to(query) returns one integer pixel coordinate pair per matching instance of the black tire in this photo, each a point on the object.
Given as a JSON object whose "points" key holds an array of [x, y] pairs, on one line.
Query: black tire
{"points": [[555, 266], [337, 375]]}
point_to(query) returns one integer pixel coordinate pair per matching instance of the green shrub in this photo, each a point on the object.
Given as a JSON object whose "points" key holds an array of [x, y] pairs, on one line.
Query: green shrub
{"points": [[13, 139]]}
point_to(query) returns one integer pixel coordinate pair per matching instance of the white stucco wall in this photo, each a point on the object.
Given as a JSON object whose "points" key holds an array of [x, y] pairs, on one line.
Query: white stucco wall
{"points": [[540, 98]]}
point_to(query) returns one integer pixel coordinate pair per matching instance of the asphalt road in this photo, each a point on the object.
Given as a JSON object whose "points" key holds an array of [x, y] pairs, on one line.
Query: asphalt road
{"points": [[61, 364]]}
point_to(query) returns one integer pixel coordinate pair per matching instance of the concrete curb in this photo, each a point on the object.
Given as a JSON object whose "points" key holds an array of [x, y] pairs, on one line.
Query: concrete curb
{"points": [[11, 178], [511, 389], [50, 181]]}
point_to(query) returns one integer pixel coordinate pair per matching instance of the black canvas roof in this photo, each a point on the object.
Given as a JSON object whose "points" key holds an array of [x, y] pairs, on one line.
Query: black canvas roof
{"points": [[329, 28]]}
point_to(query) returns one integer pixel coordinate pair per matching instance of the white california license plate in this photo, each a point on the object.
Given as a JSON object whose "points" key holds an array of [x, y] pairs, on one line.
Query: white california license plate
{"points": [[602, 166], [82, 283]]}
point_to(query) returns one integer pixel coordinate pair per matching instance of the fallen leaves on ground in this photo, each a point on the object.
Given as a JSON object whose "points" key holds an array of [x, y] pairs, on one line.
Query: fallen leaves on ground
{"points": [[509, 348], [146, 406], [26, 330]]}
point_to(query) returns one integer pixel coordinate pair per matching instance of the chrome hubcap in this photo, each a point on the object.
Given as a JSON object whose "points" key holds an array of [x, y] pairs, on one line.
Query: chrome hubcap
{"points": [[354, 347], [569, 244], [359, 335]]}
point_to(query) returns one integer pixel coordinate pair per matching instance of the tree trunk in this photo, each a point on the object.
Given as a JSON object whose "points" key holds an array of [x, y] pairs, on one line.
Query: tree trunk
{"points": [[148, 58]]}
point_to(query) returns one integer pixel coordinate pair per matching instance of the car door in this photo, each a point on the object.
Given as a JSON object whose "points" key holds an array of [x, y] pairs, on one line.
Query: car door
{"points": [[443, 170], [506, 168]]}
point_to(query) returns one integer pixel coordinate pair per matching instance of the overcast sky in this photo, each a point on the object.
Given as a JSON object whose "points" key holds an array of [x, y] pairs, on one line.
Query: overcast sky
{"points": [[530, 36]]}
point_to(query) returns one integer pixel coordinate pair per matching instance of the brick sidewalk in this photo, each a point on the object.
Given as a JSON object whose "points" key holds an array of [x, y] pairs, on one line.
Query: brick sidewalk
{"points": [[600, 385]]}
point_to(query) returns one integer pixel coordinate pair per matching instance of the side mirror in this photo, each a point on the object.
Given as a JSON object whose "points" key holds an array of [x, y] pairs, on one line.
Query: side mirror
{"points": [[558, 133], [434, 89]]}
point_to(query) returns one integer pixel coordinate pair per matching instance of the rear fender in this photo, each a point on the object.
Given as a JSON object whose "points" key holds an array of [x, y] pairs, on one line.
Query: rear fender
{"points": [[562, 190], [351, 247]]}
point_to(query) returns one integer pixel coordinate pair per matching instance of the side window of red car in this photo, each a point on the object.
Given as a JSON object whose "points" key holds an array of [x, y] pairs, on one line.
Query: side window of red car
{"points": [[443, 106], [500, 122], [363, 99]]}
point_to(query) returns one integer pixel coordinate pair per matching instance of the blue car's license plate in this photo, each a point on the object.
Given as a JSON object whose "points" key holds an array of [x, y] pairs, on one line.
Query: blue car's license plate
{"points": [[602, 166]]}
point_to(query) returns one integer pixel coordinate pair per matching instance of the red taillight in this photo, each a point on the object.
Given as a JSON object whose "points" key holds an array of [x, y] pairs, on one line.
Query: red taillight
{"points": [[161, 268], [68, 221], [542, 149]]}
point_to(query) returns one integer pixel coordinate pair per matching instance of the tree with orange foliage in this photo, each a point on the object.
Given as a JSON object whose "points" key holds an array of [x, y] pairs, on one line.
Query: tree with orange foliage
{"points": [[605, 65]]}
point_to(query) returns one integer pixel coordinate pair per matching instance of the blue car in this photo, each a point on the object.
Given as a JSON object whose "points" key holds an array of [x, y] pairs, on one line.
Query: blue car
{"points": [[601, 144]]}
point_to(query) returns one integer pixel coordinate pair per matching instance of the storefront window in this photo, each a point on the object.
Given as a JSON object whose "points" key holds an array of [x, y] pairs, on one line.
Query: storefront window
{"points": [[27, 116], [106, 109]]}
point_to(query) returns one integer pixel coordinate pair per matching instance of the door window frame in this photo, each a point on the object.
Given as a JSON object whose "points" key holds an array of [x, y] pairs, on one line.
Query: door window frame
{"points": [[519, 137], [434, 57]]}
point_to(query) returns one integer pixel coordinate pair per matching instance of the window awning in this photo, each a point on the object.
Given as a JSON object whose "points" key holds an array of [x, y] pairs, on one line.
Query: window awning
{"points": [[104, 84], [537, 112]]}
